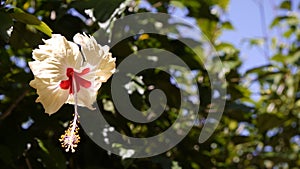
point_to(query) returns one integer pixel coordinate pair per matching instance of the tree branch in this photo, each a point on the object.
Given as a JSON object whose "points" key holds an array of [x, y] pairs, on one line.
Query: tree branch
{"points": [[13, 106]]}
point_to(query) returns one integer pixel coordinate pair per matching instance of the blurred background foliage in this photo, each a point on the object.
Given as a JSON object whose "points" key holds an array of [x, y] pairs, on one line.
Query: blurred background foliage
{"points": [[253, 133]]}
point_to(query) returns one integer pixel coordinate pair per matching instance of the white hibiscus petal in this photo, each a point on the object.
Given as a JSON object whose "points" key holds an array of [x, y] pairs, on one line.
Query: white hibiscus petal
{"points": [[50, 96], [89, 48], [56, 56], [45, 69], [106, 69], [86, 98], [98, 56]]}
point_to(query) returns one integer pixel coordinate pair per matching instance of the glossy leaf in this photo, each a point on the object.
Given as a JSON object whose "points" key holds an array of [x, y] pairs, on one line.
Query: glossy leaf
{"points": [[29, 19]]}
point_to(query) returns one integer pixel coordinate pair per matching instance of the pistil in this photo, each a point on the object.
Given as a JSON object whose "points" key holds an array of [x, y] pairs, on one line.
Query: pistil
{"points": [[71, 138]]}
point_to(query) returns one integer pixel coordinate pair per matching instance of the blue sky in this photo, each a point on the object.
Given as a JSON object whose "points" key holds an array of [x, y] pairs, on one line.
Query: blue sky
{"points": [[251, 19], [246, 17]]}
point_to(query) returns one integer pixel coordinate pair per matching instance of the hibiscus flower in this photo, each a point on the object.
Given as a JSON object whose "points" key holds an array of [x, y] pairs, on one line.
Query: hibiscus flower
{"points": [[70, 72]]}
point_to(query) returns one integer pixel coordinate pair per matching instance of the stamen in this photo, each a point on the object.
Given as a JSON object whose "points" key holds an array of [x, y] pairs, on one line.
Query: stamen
{"points": [[71, 138]]}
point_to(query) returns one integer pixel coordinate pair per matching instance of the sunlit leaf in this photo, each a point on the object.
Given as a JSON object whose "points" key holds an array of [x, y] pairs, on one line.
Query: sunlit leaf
{"points": [[23, 17], [44, 28], [227, 25], [286, 59], [177, 3], [277, 20], [279, 58], [286, 5], [30, 19], [226, 47]]}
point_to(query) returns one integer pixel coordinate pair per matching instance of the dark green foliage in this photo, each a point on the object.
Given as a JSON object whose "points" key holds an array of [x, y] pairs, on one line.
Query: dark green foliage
{"points": [[252, 134]]}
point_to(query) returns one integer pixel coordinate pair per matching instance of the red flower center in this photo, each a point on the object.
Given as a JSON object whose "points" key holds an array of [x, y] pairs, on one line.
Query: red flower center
{"points": [[79, 81]]}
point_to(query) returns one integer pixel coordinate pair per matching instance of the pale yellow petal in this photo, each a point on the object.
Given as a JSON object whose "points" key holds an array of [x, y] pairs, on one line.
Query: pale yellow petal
{"points": [[53, 47], [48, 69], [89, 47], [86, 97], [98, 57], [73, 57], [106, 68], [51, 96], [57, 55], [58, 49]]}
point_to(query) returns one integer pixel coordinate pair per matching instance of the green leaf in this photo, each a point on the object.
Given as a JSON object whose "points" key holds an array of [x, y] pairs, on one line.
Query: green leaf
{"points": [[288, 33], [227, 25], [268, 121], [175, 165], [286, 5], [231, 65], [277, 20], [246, 92], [278, 58], [289, 59], [177, 3], [44, 28], [41, 145], [256, 42], [226, 47], [6, 23], [293, 20], [240, 139], [239, 112], [29, 19], [223, 4], [22, 37], [209, 28], [51, 156], [23, 17], [274, 42], [259, 69]]}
